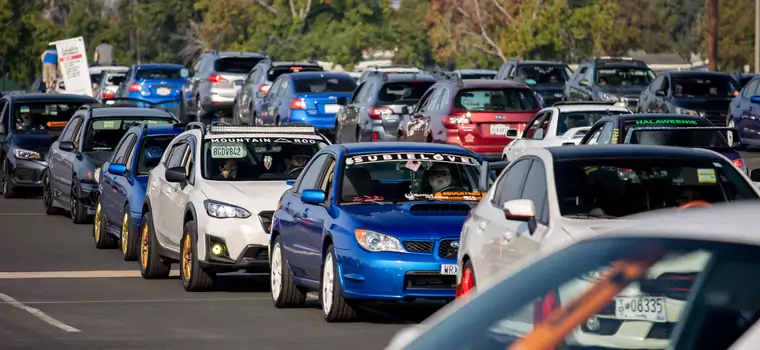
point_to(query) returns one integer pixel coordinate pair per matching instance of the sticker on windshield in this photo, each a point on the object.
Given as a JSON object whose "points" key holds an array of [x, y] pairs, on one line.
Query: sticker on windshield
{"points": [[154, 152], [706, 176], [368, 199], [665, 121], [262, 140], [228, 150], [413, 196], [413, 165], [109, 124], [267, 162], [394, 157], [459, 196], [24, 109], [58, 124]]}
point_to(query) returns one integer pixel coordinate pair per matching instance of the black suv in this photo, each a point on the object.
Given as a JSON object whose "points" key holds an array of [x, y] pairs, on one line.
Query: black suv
{"points": [[257, 84], [617, 79], [546, 78]]}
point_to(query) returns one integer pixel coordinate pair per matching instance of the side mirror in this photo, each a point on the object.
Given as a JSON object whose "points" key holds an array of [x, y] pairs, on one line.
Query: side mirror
{"points": [[660, 93], [342, 101], [519, 210], [117, 169], [585, 82], [66, 146], [754, 175], [260, 94], [755, 99], [313, 196], [176, 174], [485, 173], [290, 182]]}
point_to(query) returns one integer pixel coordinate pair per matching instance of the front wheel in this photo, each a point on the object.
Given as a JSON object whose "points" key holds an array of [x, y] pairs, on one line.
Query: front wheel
{"points": [[194, 278], [284, 292], [76, 207], [47, 196], [103, 240], [9, 191], [335, 307], [151, 264]]}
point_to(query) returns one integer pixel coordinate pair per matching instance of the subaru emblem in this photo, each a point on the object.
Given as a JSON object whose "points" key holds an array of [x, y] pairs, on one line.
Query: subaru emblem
{"points": [[500, 117], [455, 244]]}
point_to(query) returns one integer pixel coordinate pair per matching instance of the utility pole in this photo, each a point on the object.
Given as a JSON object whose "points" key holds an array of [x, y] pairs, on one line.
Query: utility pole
{"points": [[757, 36], [712, 36]]}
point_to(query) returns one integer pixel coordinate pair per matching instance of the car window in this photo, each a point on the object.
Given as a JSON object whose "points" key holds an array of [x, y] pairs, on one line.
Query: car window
{"points": [[431, 101], [311, 176], [535, 186], [150, 153], [530, 130], [443, 102], [403, 91], [236, 65], [630, 292], [71, 128], [657, 84], [119, 150], [42, 117], [323, 84], [749, 90], [178, 152], [578, 119], [123, 151], [624, 76], [496, 99], [606, 136], [669, 122], [700, 87], [510, 185], [534, 74], [158, 73], [395, 177], [103, 134], [276, 71], [358, 93]]}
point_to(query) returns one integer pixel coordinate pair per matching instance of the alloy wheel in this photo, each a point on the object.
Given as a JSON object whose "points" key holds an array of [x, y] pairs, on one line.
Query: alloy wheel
{"points": [[275, 278], [327, 285]]}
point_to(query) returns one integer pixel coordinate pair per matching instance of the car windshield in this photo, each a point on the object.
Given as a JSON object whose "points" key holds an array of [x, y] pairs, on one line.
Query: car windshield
{"points": [[543, 74], [276, 72], [612, 188], [115, 79], [239, 65], [626, 293], [34, 117], [692, 138], [103, 134], [158, 73], [324, 84], [405, 177], [496, 100], [257, 158], [704, 87], [577, 119], [478, 75], [150, 152], [407, 91], [624, 76]]}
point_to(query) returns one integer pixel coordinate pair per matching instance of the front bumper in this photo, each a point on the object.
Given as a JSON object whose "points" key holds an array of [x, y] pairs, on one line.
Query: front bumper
{"points": [[245, 240], [388, 276], [27, 173], [89, 197], [254, 258]]}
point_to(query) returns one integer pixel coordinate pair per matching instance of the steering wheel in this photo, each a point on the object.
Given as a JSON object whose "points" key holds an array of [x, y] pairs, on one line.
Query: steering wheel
{"points": [[452, 189], [694, 204], [291, 171]]}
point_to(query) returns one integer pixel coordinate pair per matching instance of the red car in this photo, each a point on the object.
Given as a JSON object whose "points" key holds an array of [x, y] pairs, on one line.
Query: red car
{"points": [[481, 115]]}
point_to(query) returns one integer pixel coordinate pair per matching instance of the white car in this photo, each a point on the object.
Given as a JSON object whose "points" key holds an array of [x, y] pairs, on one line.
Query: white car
{"points": [[209, 203], [549, 196], [563, 123], [674, 280]]}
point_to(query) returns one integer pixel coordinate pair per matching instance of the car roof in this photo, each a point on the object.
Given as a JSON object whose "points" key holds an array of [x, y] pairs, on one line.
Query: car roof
{"points": [[45, 97], [158, 65], [476, 71], [698, 74], [627, 117], [539, 62], [484, 83], [403, 77], [400, 147], [162, 129], [297, 75], [630, 151], [293, 63], [230, 54], [108, 111]]}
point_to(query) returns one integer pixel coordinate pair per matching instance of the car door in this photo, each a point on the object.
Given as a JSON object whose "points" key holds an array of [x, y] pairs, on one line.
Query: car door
{"points": [[523, 241], [282, 101], [179, 196], [110, 188], [162, 209], [605, 137], [56, 155], [4, 125], [530, 136], [752, 120], [740, 109], [649, 94], [294, 235], [314, 219], [67, 161], [348, 116], [490, 225], [268, 114], [426, 116]]}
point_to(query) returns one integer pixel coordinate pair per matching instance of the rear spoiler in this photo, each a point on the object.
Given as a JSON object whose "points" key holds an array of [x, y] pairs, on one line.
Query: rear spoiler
{"points": [[487, 173], [734, 131]]}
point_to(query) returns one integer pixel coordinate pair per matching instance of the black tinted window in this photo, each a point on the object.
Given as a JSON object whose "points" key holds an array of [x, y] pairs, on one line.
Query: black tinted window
{"points": [[150, 153], [236, 64], [543, 74], [535, 185], [704, 87], [326, 84], [577, 119], [276, 72], [478, 76], [43, 116], [311, 176], [175, 158], [496, 100], [114, 79], [406, 91], [511, 185], [158, 73]]}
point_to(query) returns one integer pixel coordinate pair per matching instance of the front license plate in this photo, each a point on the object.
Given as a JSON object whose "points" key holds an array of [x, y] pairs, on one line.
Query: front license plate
{"points": [[332, 108], [449, 269], [164, 91], [499, 129], [641, 308]]}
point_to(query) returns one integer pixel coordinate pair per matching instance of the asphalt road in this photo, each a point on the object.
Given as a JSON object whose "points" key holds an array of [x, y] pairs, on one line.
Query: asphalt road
{"points": [[57, 291]]}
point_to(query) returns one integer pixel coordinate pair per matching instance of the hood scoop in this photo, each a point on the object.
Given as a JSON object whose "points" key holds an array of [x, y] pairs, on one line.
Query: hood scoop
{"points": [[439, 208]]}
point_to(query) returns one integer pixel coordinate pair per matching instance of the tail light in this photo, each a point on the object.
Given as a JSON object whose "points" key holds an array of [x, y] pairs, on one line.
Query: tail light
{"points": [[135, 87], [264, 88], [376, 113], [297, 103], [452, 121], [375, 136], [108, 94], [739, 163], [216, 79]]}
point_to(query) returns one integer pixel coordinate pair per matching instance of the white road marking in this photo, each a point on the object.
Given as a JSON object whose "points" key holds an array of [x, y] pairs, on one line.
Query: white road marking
{"points": [[39, 314], [76, 274]]}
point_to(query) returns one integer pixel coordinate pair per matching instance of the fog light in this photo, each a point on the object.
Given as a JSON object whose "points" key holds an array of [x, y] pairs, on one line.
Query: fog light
{"points": [[217, 249], [593, 324]]}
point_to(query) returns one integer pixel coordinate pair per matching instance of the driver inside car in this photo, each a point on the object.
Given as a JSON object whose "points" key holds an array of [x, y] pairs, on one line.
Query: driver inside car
{"points": [[296, 160], [228, 170], [26, 122], [440, 177]]}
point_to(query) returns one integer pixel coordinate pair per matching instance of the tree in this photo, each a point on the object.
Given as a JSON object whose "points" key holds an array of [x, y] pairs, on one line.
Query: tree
{"points": [[737, 34]]}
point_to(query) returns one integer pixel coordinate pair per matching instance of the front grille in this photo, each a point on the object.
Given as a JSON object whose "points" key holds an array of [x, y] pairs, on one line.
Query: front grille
{"points": [[23, 174], [447, 251], [418, 246], [660, 331], [429, 280], [717, 119]]}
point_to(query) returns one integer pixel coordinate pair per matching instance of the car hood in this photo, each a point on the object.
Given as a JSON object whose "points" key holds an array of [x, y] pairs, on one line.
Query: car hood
{"points": [[254, 196], [38, 142], [704, 104], [96, 158], [408, 220], [623, 90]]}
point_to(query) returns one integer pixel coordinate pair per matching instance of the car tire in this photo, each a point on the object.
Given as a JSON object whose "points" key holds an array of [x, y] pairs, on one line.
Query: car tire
{"points": [[468, 278], [235, 114], [194, 278], [47, 196], [9, 191], [129, 244], [285, 293], [103, 240], [335, 308], [254, 121], [76, 207], [152, 266]]}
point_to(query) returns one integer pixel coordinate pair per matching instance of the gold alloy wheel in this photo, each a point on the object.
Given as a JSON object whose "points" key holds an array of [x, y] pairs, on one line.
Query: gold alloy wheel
{"points": [[97, 223], [125, 234], [187, 258], [144, 241]]}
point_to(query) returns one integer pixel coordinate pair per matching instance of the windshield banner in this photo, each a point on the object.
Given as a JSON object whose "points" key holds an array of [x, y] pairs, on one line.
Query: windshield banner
{"points": [[395, 157], [72, 61], [262, 140]]}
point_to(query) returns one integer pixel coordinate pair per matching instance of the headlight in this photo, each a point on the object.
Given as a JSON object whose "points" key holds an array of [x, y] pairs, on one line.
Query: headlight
{"points": [[680, 110], [225, 211], [25, 154], [609, 97], [377, 242], [96, 175]]}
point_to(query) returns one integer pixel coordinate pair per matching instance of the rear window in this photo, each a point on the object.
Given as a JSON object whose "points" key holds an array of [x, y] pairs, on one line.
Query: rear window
{"points": [[276, 72], [579, 119], [704, 87], [326, 84], [103, 135], [240, 65], [153, 148], [407, 91], [114, 79], [478, 76], [159, 73], [496, 100], [543, 74], [43, 116], [664, 122]]}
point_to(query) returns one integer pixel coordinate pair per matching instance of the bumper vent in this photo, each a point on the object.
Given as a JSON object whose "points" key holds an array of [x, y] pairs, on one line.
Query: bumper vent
{"points": [[418, 246], [265, 217]]}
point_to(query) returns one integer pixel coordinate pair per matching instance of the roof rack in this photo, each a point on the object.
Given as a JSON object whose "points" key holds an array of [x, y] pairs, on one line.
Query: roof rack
{"points": [[579, 103], [237, 129], [195, 125]]}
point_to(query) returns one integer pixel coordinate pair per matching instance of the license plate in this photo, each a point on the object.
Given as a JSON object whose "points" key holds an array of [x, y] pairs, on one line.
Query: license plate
{"points": [[449, 269], [164, 91], [499, 129], [332, 108], [641, 308]]}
